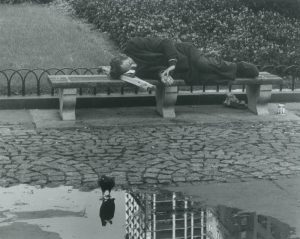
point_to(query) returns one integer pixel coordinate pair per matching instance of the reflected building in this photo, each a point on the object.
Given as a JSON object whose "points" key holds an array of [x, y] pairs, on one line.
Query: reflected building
{"points": [[138, 220], [172, 216], [158, 216]]}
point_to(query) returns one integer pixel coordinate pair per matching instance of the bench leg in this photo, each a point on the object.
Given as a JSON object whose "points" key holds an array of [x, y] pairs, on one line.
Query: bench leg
{"points": [[258, 98], [67, 103], [166, 97]]}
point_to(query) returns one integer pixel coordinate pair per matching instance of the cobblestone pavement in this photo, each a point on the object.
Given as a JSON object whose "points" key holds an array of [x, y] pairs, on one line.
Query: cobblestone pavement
{"points": [[222, 152]]}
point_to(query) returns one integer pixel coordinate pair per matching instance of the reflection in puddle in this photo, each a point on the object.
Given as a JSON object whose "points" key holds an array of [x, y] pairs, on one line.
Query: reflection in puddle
{"points": [[67, 213], [107, 211], [169, 215]]}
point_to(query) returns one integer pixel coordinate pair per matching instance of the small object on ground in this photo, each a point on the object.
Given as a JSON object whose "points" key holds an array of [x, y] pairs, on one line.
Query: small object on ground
{"points": [[233, 102], [106, 184], [281, 109]]}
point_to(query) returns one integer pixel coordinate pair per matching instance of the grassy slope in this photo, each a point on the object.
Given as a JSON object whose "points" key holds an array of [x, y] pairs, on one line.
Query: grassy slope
{"points": [[35, 36]]}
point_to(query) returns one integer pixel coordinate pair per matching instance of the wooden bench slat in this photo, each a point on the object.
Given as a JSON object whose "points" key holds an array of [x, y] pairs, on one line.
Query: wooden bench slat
{"points": [[245, 81], [264, 78], [77, 81]]}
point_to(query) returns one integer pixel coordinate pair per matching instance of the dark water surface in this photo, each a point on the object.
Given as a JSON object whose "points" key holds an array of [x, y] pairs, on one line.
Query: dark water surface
{"points": [[67, 213]]}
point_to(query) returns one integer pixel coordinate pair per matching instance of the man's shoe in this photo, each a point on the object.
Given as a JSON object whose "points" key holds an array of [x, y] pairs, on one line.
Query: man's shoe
{"points": [[232, 102]]}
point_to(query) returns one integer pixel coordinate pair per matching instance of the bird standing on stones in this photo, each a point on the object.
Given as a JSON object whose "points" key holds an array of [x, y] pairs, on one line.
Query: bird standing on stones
{"points": [[106, 184]]}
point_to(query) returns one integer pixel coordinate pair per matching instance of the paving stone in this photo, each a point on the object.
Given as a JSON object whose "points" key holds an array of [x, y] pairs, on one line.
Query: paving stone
{"points": [[286, 164], [151, 181], [52, 178], [179, 179], [294, 168], [164, 176], [164, 181], [227, 170], [150, 175], [258, 174], [4, 159], [285, 172]]}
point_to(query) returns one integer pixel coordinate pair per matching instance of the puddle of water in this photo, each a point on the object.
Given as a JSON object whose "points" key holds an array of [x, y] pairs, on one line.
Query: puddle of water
{"points": [[67, 213], [71, 213]]}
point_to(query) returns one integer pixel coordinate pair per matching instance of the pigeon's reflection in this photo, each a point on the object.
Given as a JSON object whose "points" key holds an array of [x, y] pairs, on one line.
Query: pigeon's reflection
{"points": [[107, 210]]}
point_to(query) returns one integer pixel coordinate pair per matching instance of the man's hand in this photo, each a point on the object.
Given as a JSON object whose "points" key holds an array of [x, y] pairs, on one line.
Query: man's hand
{"points": [[167, 80], [104, 70], [165, 76]]}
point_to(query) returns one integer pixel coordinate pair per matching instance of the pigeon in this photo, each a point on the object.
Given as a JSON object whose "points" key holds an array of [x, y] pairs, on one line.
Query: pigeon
{"points": [[106, 184]]}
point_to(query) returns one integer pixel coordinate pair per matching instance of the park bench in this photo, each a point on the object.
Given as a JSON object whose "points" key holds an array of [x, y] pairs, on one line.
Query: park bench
{"points": [[258, 91]]}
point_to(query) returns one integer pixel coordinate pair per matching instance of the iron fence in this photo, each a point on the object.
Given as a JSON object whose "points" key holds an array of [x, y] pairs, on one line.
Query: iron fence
{"points": [[34, 81]]}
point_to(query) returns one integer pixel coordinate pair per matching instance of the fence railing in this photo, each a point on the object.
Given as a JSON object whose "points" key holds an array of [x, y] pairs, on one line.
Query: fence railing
{"points": [[34, 81]]}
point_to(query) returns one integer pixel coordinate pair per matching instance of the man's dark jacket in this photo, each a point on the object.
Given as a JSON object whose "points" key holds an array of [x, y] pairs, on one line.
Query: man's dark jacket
{"points": [[153, 55]]}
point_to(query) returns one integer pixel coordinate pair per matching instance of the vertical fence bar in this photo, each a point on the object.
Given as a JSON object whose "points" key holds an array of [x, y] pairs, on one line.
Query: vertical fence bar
{"points": [[205, 222], [185, 218], [9, 87], [192, 220], [136, 90], [108, 90], [38, 86], [202, 224], [154, 216], [23, 87], [174, 216]]}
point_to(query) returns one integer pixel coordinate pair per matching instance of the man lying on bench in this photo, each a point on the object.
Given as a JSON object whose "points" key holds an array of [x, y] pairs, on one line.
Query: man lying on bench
{"points": [[163, 59]]}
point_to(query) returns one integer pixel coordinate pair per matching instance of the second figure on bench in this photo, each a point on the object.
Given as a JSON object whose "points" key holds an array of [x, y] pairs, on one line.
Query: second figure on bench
{"points": [[156, 58]]}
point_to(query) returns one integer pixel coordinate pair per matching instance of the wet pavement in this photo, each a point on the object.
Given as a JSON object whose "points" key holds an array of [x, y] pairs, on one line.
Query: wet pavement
{"points": [[205, 149], [30, 212]]}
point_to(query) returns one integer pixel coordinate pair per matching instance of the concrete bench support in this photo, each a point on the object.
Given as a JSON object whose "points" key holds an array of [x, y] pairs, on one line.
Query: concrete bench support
{"points": [[67, 103], [166, 98], [258, 98]]}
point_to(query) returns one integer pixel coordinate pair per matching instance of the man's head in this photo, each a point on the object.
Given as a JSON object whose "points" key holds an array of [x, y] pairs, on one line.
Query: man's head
{"points": [[120, 64]]}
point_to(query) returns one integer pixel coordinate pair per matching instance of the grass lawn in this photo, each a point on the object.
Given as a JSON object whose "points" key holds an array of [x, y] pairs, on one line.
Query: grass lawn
{"points": [[39, 36]]}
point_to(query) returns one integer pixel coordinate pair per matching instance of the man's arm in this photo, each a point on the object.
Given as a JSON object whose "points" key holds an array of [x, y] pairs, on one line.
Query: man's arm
{"points": [[139, 46], [169, 50], [149, 48]]}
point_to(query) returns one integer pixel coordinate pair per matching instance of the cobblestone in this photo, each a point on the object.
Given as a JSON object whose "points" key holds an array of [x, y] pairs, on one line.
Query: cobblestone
{"points": [[159, 154]]}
